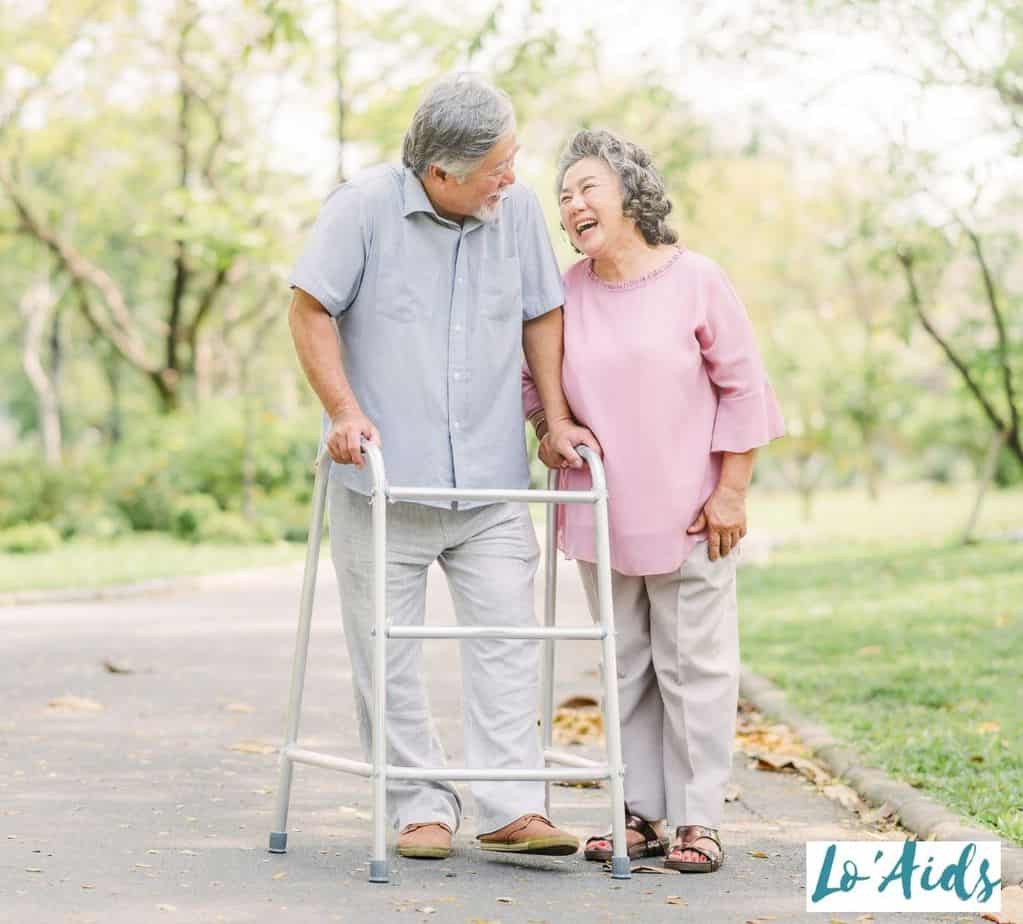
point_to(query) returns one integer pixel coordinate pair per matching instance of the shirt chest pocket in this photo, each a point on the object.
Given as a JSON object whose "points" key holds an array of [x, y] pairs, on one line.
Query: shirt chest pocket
{"points": [[407, 294], [501, 292]]}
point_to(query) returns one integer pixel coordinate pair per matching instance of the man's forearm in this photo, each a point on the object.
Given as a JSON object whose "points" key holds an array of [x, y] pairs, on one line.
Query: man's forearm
{"points": [[315, 338], [737, 470], [542, 342]]}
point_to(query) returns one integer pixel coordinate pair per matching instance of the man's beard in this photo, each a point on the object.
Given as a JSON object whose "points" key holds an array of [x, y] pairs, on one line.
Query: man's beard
{"points": [[488, 213]]}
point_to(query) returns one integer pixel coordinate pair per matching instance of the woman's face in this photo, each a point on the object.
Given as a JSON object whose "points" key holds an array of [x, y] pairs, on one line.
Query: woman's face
{"points": [[591, 207]]}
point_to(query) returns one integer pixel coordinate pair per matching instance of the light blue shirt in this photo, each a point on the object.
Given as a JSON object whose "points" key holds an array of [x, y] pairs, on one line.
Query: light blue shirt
{"points": [[430, 316]]}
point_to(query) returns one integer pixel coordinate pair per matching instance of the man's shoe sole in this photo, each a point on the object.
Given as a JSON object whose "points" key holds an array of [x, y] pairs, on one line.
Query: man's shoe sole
{"points": [[546, 846], [425, 853]]}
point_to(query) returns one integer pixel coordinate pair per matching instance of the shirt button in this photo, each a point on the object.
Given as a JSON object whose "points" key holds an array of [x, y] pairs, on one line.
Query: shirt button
{"points": [[456, 424], [458, 328]]}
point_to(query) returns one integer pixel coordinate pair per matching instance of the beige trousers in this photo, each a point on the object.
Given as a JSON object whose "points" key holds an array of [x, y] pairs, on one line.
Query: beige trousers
{"points": [[677, 641]]}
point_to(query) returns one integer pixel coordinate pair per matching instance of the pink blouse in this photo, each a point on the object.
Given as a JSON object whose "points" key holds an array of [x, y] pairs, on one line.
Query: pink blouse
{"points": [[666, 373]]}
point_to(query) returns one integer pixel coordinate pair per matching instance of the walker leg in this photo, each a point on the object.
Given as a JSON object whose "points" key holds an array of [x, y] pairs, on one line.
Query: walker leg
{"points": [[378, 859], [549, 619], [279, 835], [620, 866]]}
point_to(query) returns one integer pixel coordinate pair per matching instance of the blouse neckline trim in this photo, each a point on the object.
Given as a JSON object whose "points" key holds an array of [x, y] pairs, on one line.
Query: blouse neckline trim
{"points": [[639, 280]]}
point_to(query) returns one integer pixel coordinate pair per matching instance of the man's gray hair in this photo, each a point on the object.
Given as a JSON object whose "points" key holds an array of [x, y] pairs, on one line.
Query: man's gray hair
{"points": [[644, 199], [458, 122]]}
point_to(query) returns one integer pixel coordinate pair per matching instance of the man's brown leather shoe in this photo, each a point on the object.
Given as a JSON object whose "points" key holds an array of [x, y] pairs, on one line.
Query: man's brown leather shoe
{"points": [[430, 840], [530, 834]]}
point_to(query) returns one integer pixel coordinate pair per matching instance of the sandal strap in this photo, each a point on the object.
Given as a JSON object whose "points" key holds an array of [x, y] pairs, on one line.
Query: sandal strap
{"points": [[642, 826], [690, 833], [632, 823]]}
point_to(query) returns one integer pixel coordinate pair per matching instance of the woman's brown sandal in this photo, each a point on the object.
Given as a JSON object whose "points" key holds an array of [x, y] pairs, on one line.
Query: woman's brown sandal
{"points": [[652, 846], [688, 836]]}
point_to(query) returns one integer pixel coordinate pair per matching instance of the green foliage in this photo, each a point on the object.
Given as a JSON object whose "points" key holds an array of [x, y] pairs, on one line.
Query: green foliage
{"points": [[230, 529], [29, 537], [29, 490], [190, 513]]}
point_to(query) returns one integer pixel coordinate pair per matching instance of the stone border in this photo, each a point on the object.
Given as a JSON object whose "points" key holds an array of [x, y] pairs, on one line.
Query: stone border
{"points": [[923, 815]]}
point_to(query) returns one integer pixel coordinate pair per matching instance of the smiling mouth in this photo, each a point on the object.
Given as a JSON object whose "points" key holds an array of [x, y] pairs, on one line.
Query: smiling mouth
{"points": [[584, 226]]}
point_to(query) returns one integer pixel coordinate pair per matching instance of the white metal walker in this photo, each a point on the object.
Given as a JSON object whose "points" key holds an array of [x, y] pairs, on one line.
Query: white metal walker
{"points": [[573, 768]]}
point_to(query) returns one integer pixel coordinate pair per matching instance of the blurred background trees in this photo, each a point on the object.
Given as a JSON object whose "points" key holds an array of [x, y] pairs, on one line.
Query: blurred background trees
{"points": [[160, 164]]}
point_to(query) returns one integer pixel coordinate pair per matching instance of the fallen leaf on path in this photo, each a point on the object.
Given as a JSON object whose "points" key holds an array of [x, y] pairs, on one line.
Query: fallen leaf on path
{"points": [[505, 900], [650, 869], [426, 909], [675, 900], [759, 854], [238, 707], [74, 704], [280, 875], [253, 747], [88, 886], [844, 795], [733, 792], [112, 667], [32, 869], [577, 725], [166, 908]]}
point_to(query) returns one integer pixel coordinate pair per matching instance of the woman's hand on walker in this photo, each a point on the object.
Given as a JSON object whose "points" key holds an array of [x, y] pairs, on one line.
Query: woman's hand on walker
{"points": [[557, 448], [724, 518], [346, 432]]}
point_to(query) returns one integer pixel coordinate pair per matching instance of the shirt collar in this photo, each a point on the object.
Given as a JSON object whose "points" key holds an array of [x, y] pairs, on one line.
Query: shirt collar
{"points": [[414, 196]]}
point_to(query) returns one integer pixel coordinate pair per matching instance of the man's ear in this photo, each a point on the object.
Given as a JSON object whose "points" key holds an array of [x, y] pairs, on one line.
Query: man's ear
{"points": [[437, 173]]}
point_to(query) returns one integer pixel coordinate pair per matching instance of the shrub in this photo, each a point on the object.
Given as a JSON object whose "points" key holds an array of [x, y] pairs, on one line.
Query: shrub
{"points": [[190, 513], [29, 537], [144, 494], [30, 490], [229, 529]]}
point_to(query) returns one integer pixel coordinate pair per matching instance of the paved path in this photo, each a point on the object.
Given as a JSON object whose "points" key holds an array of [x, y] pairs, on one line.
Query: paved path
{"points": [[142, 811]]}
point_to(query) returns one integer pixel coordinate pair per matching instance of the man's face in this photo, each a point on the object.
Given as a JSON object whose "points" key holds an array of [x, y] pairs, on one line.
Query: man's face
{"points": [[479, 194]]}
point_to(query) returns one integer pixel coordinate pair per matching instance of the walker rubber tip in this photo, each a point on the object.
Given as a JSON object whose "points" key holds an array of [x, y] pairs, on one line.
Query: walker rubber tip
{"points": [[621, 868], [278, 842], [378, 871]]}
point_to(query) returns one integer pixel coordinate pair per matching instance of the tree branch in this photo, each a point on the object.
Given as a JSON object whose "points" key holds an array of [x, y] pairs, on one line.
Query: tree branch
{"points": [[906, 259], [1003, 340], [116, 323]]}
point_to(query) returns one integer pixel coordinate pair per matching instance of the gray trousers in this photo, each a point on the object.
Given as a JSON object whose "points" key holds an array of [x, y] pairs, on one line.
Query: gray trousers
{"points": [[677, 642], [489, 555]]}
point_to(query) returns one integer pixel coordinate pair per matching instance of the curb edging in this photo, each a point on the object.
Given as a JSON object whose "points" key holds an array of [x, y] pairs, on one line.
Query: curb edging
{"points": [[923, 815]]}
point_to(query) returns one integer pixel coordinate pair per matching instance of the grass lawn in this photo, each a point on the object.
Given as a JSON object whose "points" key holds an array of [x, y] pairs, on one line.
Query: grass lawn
{"points": [[907, 646], [139, 557]]}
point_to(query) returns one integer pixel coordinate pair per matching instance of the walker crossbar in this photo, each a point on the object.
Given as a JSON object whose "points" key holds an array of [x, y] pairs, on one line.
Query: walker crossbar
{"points": [[572, 768]]}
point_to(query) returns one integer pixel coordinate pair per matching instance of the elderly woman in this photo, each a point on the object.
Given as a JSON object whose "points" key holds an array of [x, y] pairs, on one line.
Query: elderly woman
{"points": [[661, 364]]}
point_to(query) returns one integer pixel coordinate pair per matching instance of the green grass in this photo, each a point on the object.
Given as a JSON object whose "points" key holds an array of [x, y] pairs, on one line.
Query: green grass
{"points": [[907, 646], [138, 557]]}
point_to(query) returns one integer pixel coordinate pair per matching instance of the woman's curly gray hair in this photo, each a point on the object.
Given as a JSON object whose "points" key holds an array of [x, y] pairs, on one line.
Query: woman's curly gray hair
{"points": [[643, 196]]}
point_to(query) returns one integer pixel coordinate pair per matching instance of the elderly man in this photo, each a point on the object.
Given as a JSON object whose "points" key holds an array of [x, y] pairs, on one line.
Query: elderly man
{"points": [[436, 275]]}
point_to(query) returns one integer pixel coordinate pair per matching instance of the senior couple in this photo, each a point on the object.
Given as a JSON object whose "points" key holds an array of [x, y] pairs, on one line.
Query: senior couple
{"points": [[416, 296]]}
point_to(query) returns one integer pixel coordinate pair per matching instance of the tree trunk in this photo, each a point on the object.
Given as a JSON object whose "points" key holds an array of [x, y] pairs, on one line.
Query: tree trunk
{"points": [[987, 474], [36, 308]]}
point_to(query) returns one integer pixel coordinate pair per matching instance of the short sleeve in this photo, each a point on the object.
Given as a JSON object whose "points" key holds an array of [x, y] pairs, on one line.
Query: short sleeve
{"points": [[748, 414], [541, 278], [331, 265]]}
